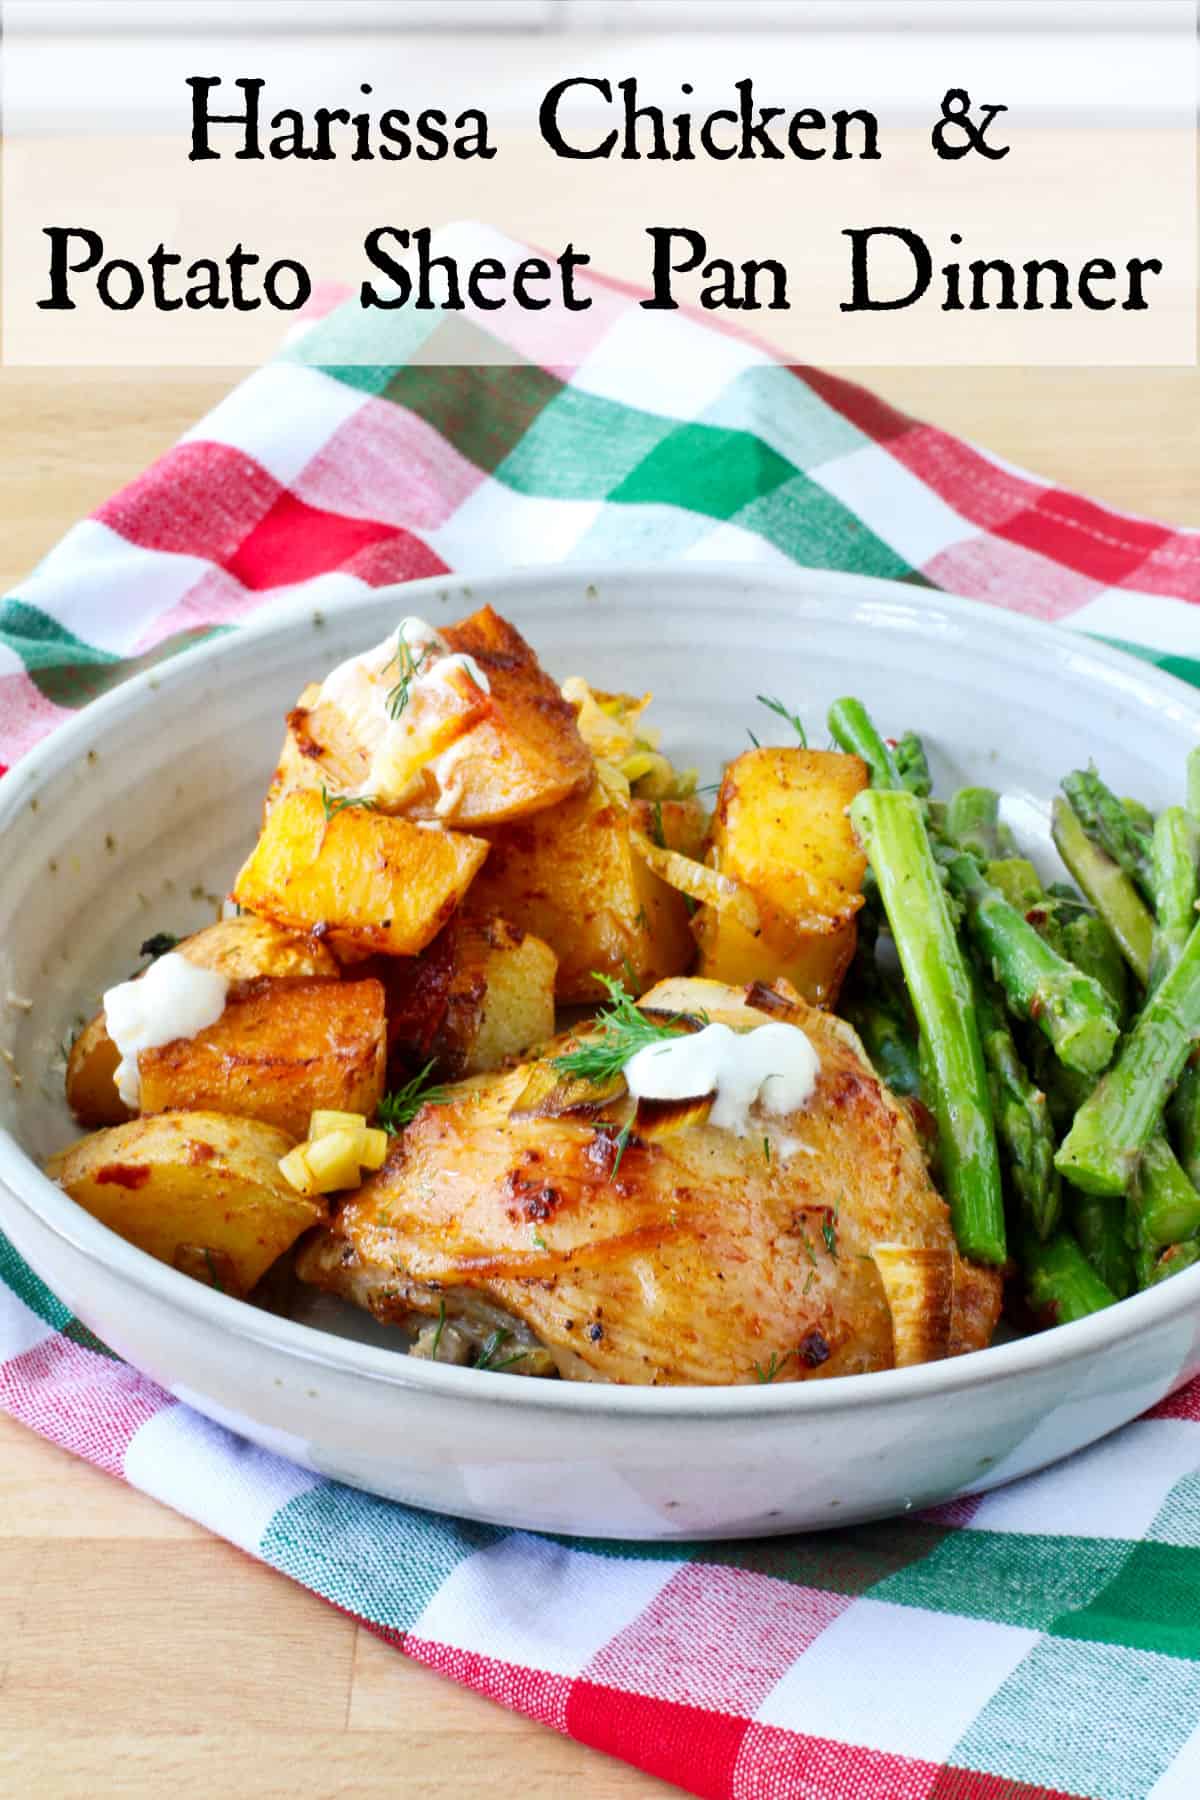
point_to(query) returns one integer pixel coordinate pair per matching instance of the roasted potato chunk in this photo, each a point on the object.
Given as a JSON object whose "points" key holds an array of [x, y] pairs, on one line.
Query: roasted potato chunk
{"points": [[486, 758], [281, 1050], [572, 877], [781, 830], [323, 748], [526, 754], [91, 1077], [781, 826], [365, 881], [183, 1183], [500, 1001], [814, 962], [240, 949]]}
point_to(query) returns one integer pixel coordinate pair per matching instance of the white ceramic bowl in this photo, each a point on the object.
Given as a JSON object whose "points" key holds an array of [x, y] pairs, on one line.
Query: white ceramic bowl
{"points": [[121, 824]]}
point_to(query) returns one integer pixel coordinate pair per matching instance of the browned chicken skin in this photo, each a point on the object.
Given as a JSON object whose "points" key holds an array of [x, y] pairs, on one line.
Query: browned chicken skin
{"points": [[704, 1257]]}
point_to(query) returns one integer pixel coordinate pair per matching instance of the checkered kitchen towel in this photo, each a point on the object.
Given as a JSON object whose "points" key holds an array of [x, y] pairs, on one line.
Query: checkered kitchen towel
{"points": [[1044, 1640]]}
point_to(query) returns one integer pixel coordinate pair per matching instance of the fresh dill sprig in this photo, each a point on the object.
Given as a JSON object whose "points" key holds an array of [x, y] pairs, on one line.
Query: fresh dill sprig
{"points": [[401, 1106], [492, 1347], [773, 1367], [410, 667], [660, 836], [624, 1030], [336, 803], [829, 1232], [437, 1336], [789, 718], [767, 1149]]}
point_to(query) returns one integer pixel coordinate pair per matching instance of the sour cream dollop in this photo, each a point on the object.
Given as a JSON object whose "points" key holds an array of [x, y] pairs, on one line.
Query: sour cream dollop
{"points": [[361, 689], [173, 999], [773, 1067]]}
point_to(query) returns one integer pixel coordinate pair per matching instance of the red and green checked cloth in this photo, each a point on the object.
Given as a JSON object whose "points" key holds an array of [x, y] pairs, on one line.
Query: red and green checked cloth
{"points": [[1044, 1640]]}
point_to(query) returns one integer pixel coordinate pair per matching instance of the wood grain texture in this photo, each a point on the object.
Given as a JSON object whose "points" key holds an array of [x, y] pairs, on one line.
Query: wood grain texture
{"points": [[140, 1656]]}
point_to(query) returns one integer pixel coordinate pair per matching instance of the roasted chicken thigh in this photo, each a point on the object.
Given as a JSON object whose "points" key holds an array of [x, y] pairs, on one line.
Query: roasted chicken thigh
{"points": [[661, 1248]]}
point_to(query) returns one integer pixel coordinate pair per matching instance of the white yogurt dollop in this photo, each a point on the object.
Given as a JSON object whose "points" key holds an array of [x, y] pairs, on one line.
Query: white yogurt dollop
{"points": [[415, 658], [774, 1067], [173, 999]]}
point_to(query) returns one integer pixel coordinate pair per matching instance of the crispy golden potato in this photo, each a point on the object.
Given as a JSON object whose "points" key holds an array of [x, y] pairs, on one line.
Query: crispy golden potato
{"points": [[781, 826], [781, 830], [526, 754], [245, 947], [572, 877], [500, 997], [474, 758], [282, 1049], [692, 1257], [240, 949], [183, 1183], [91, 1077], [323, 749], [814, 962], [366, 882]]}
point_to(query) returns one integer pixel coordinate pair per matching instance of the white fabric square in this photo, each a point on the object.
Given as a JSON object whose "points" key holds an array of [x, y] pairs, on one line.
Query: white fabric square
{"points": [[313, 404], [80, 579], [727, 542], [211, 1475], [528, 1601], [664, 363], [499, 527], [1181, 1781], [896, 506], [20, 1327], [1151, 619], [1114, 1489], [896, 1677]]}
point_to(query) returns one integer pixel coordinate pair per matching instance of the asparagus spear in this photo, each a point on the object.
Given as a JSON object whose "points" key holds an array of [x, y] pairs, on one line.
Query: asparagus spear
{"points": [[878, 1010], [1090, 945], [1112, 1128], [1140, 816], [1105, 820], [892, 832], [1174, 878], [1022, 1117], [1061, 1283], [913, 765], [850, 726], [1166, 1207], [1071, 1009], [1173, 1262], [1107, 887], [1017, 880], [1184, 1110], [973, 824], [1183, 1114], [1099, 1223]]}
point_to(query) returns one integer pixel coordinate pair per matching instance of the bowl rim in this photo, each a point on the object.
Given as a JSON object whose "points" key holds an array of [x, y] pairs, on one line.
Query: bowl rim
{"points": [[23, 1183]]}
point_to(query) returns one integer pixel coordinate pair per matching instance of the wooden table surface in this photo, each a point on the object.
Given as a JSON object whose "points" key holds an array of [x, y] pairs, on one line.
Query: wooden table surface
{"points": [[140, 1656]]}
